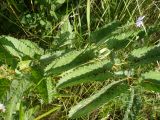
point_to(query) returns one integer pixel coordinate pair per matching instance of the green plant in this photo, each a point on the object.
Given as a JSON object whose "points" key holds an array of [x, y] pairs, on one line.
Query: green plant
{"points": [[129, 68], [26, 70], [78, 53], [30, 70]]}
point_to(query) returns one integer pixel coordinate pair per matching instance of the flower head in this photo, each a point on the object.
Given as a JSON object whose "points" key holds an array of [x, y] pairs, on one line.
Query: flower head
{"points": [[139, 21], [2, 108]]}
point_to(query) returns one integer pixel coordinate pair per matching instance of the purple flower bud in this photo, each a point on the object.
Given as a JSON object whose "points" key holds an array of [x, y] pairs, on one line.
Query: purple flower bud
{"points": [[139, 21]]}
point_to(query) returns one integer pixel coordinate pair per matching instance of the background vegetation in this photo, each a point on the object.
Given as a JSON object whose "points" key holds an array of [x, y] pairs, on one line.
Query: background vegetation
{"points": [[79, 59]]}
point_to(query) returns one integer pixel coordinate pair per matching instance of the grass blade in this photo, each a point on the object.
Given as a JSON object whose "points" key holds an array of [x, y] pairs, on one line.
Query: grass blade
{"points": [[47, 113]]}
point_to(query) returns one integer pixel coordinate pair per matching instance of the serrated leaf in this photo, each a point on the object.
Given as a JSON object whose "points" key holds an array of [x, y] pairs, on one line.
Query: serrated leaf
{"points": [[49, 57], [97, 71], [62, 61], [151, 81], [69, 61], [141, 52], [119, 40], [7, 58], [49, 89], [106, 94], [104, 32], [116, 44], [145, 55], [133, 105], [129, 106], [20, 48]]}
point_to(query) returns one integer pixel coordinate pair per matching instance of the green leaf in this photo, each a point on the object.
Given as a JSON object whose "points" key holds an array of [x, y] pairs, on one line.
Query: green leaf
{"points": [[119, 40], [37, 77], [133, 105], [97, 71], [103, 33], [145, 55], [57, 65], [69, 61], [66, 35], [49, 57], [7, 58], [116, 44], [106, 94], [49, 89], [151, 81], [35, 74], [20, 48]]}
